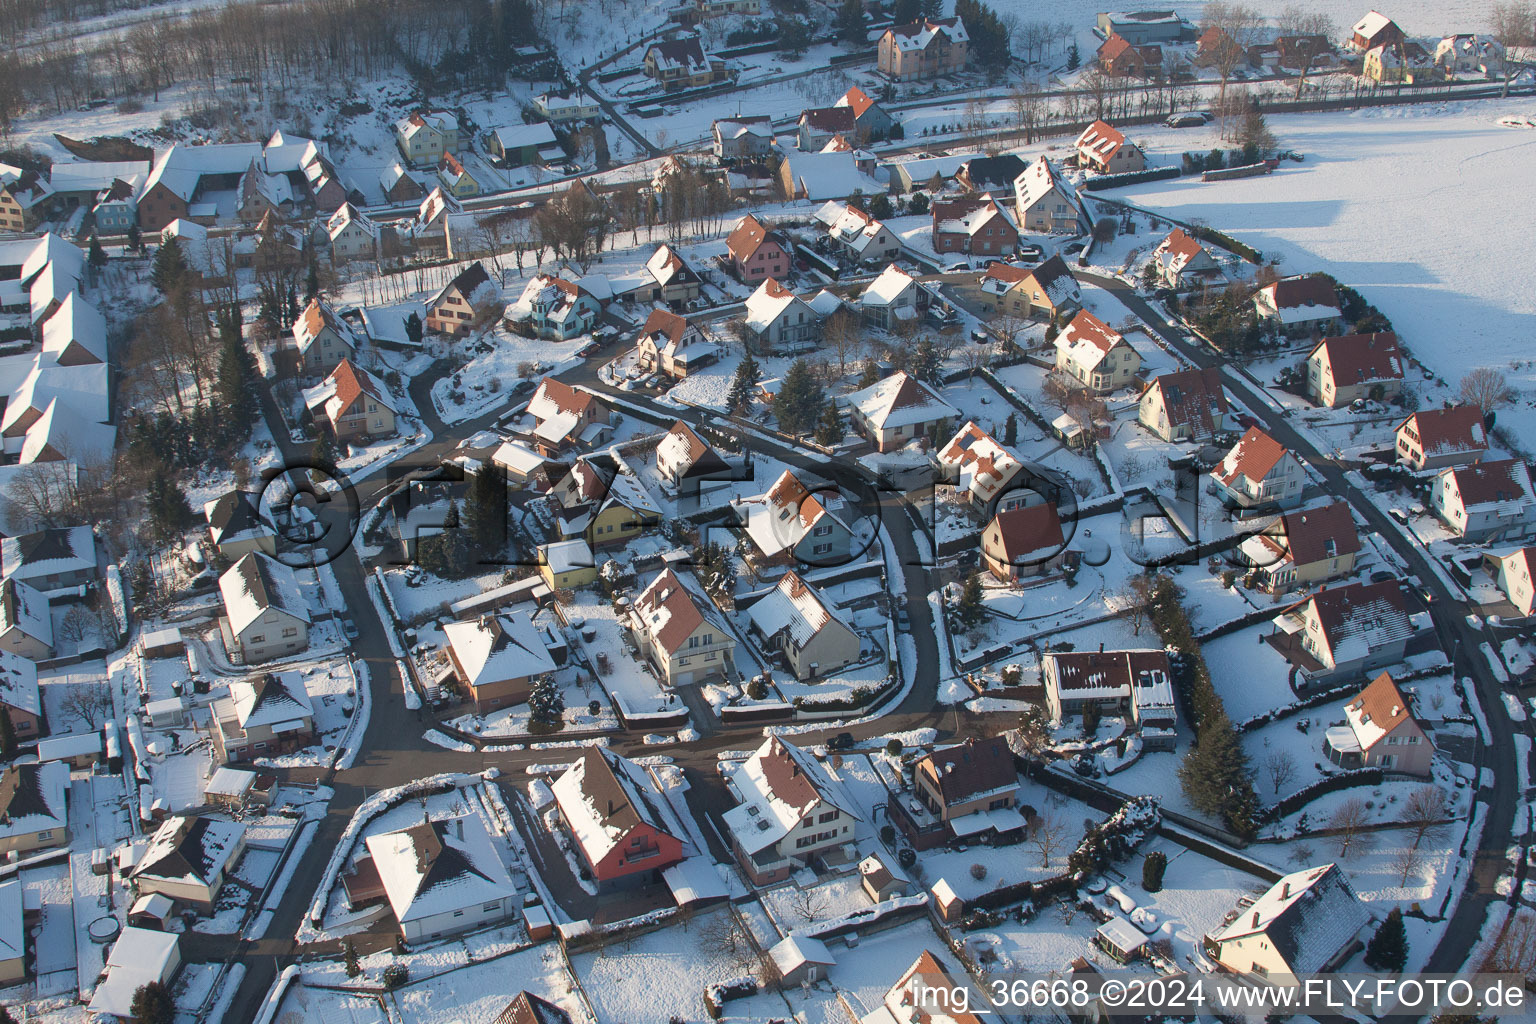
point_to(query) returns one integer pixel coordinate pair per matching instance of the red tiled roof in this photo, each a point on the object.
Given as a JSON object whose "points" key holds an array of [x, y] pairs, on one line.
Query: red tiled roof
{"points": [[665, 323], [1383, 705], [667, 595], [858, 101], [1443, 431], [1307, 290], [746, 237], [1026, 531], [1358, 358], [1485, 482], [1193, 397], [1309, 532], [1254, 455], [829, 119]]}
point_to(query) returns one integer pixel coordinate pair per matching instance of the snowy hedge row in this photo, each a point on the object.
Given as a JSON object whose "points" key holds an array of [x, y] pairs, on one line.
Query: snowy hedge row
{"points": [[1322, 787]]}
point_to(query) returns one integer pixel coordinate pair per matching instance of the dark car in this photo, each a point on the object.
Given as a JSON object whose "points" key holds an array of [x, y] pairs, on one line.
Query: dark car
{"points": [[842, 741], [1189, 120], [522, 387]]}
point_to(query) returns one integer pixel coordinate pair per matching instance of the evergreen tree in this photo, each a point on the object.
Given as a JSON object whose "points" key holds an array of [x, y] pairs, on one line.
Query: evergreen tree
{"points": [[324, 453], [880, 207], [1215, 774], [445, 553], [166, 506], [1152, 869], [170, 267], [1388, 948], [918, 204], [135, 237], [969, 610], [871, 375], [485, 512], [1074, 59], [1254, 136], [931, 8], [850, 21], [545, 703], [1011, 429], [413, 328], [799, 401], [905, 12], [311, 280], [7, 734], [236, 387], [988, 35], [152, 1004], [926, 366], [349, 958], [97, 255], [739, 399], [829, 430]]}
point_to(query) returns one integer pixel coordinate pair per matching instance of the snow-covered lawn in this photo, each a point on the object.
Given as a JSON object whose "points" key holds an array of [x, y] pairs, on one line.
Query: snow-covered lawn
{"points": [[483, 383], [1250, 675], [482, 990]]}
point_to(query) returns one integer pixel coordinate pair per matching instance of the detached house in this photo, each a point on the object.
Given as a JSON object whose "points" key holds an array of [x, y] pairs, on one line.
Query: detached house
{"points": [[265, 613], [352, 236], [1137, 682], [33, 814], [554, 308], [682, 64], [791, 523], [1354, 368], [1436, 438], [26, 625], [1095, 356], [1305, 548], [399, 187], [1485, 501], [672, 345], [563, 416], [1348, 630], [425, 138], [267, 714], [929, 994], [968, 792], [778, 322], [742, 138], [237, 527], [466, 300], [860, 236], [871, 121], [1182, 262], [1259, 471], [441, 877], [57, 559], [1379, 731], [669, 279], [618, 821], [76, 334], [924, 49], [981, 469], [456, 181], [1044, 293], [892, 412], [797, 622], [680, 634], [19, 696], [756, 253], [688, 462], [1119, 58], [353, 404], [497, 658], [602, 505], [790, 811], [1187, 405], [990, 173], [188, 860], [1309, 922], [1046, 205], [820, 125], [1373, 30], [517, 145], [892, 298], [1469, 54], [1022, 542], [1298, 306], [978, 225], [1104, 148]]}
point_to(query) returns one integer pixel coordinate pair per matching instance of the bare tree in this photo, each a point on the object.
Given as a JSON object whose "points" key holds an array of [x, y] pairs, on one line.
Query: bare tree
{"points": [[1425, 812], [975, 358], [1134, 599], [1047, 834], [1305, 27], [1513, 27], [1514, 951], [1007, 329], [1029, 105], [1348, 826], [724, 932], [1280, 766], [87, 703], [843, 335], [808, 904], [1406, 861], [1486, 388], [1236, 26]]}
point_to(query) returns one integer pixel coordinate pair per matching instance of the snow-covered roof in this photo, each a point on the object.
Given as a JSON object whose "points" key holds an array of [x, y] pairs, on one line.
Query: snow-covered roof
{"points": [[1371, 24], [684, 54], [65, 549], [1104, 674], [670, 613], [1358, 618], [1379, 710], [795, 608], [32, 798], [49, 288], [140, 956], [782, 516], [438, 867], [1177, 250], [62, 434], [834, 175], [967, 215], [196, 850], [230, 782], [181, 168], [347, 216], [603, 797], [1308, 916], [981, 465], [18, 683], [85, 389], [346, 384], [779, 785], [1301, 299], [1038, 181], [795, 951], [1254, 456], [236, 515], [770, 301], [76, 323], [25, 608], [1448, 431], [735, 127], [893, 286], [256, 583], [1101, 141], [900, 400], [856, 229], [555, 299], [518, 136], [1087, 340], [495, 648], [1501, 487], [438, 120], [13, 939], [1026, 535], [565, 555], [273, 700], [919, 34]]}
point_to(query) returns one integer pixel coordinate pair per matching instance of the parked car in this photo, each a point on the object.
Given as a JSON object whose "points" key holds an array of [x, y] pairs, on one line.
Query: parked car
{"points": [[903, 620], [1031, 253], [842, 741], [980, 336], [956, 268], [1185, 120]]}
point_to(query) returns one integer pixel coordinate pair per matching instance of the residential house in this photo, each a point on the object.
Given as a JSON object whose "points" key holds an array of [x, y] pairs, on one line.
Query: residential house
{"points": [[682, 64], [84, 389], [527, 1008], [1141, 27], [554, 308], [621, 830], [527, 468], [1118, 57], [789, 522], [1309, 922], [1485, 501], [779, 322], [789, 811], [237, 527], [1355, 367], [1187, 405], [180, 176], [266, 714], [138, 957], [352, 235], [564, 416], [929, 994], [926, 172], [1348, 630], [742, 138], [76, 334], [871, 121], [799, 623], [882, 878], [1182, 262], [1405, 62], [188, 859], [1295, 52], [981, 469], [265, 613], [1374, 30], [1470, 54], [893, 298], [322, 339], [1299, 306], [689, 463], [1045, 204], [672, 345], [968, 792], [1137, 682], [1023, 541], [261, 193], [990, 173], [1046, 292], [1436, 438], [820, 125], [668, 278], [516, 145], [425, 138], [117, 206], [20, 698], [892, 412], [1514, 574], [443, 877], [680, 634], [353, 404], [1259, 471], [1095, 356], [33, 814], [977, 225], [26, 626], [1380, 731], [498, 658], [52, 559], [428, 232], [756, 252], [861, 237], [837, 171], [470, 298], [1305, 548], [24, 197], [567, 564], [13, 934], [63, 435], [399, 187], [924, 49], [455, 179], [602, 504], [1105, 149], [566, 107]]}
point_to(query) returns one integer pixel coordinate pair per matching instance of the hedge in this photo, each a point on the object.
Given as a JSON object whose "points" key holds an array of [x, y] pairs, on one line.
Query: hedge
{"points": [[1322, 787], [1104, 181], [1226, 241]]}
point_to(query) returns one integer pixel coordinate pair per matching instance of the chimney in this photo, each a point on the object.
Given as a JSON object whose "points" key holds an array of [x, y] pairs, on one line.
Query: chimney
{"points": [[610, 806], [1255, 918], [1101, 646], [1285, 890]]}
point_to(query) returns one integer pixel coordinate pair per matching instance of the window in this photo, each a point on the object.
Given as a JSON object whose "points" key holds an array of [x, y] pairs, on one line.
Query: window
{"points": [[291, 631], [825, 817], [257, 639], [45, 835], [493, 905]]}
